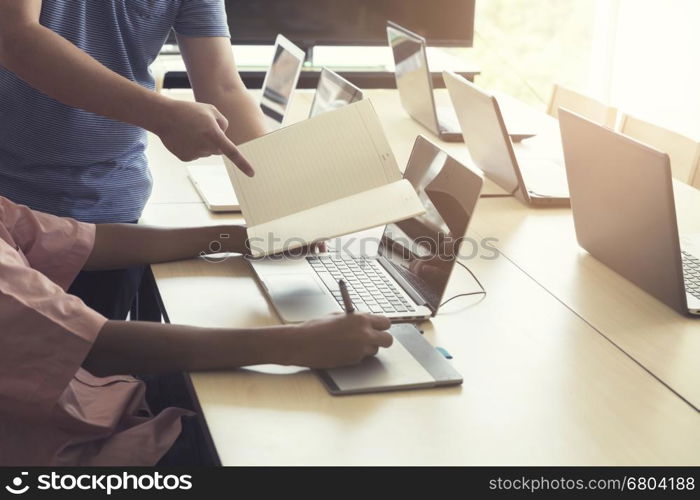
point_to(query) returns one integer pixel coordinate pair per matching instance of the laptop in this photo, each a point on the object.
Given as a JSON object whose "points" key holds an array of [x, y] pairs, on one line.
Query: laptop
{"points": [[538, 178], [211, 181], [333, 92], [281, 81], [624, 211], [406, 280], [415, 86]]}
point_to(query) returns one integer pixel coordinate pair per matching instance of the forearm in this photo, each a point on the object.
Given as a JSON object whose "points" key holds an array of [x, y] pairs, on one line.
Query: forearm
{"points": [[133, 347], [215, 80], [59, 69], [241, 110], [119, 246]]}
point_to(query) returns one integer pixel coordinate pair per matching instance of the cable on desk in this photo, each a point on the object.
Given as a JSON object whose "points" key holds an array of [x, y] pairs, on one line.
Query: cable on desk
{"points": [[482, 292]]}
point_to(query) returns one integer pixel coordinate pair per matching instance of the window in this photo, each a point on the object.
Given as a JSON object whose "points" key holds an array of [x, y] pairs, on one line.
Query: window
{"points": [[524, 46]]}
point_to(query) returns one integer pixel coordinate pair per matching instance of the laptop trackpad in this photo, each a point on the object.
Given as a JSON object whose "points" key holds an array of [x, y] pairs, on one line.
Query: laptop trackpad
{"points": [[293, 285], [299, 297]]}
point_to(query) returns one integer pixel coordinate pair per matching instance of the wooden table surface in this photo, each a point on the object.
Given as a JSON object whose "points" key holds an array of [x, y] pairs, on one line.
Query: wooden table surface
{"points": [[563, 361]]}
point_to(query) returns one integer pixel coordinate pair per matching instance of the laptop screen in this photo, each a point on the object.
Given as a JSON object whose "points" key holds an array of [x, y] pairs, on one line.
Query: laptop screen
{"points": [[280, 82], [333, 92], [413, 76], [424, 249], [484, 133]]}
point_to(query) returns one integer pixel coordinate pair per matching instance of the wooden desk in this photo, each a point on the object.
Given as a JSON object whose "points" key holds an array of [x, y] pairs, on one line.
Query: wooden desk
{"points": [[541, 385], [543, 244]]}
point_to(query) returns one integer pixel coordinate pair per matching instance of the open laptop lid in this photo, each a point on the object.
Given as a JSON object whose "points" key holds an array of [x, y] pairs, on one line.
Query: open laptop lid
{"points": [[423, 250], [281, 80], [413, 75], [485, 133], [333, 92], [623, 206]]}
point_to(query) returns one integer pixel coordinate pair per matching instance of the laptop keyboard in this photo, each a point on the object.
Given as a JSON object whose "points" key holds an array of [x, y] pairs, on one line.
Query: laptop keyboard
{"points": [[691, 273], [368, 286]]}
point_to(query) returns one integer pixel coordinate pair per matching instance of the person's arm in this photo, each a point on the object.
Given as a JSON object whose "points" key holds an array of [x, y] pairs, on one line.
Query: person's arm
{"points": [[59, 69], [155, 348], [215, 80], [118, 246]]}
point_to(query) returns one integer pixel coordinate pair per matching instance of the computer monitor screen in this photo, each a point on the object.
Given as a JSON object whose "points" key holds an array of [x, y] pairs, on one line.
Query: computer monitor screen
{"points": [[349, 22], [424, 249], [333, 92]]}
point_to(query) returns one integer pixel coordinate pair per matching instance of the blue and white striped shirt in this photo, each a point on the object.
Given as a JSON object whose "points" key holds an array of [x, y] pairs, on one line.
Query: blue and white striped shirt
{"points": [[66, 161]]}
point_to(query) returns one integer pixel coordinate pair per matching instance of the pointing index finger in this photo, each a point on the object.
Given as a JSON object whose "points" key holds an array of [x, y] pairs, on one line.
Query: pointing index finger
{"points": [[230, 150]]}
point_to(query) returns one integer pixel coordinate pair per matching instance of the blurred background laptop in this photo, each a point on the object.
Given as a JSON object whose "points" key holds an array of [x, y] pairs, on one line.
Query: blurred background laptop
{"points": [[624, 211], [415, 85]]}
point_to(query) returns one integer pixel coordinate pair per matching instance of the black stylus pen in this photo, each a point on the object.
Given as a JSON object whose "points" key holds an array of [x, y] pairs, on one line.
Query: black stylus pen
{"points": [[346, 297]]}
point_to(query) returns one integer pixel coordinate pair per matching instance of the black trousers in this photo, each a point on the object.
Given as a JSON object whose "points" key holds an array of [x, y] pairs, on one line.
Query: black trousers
{"points": [[190, 448]]}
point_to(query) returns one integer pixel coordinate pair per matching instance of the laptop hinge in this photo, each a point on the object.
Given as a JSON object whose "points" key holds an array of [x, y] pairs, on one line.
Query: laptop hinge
{"points": [[412, 292]]}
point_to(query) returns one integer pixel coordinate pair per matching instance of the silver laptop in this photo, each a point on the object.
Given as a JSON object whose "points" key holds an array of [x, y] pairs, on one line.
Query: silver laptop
{"points": [[415, 85], [410, 363], [539, 178], [281, 81], [624, 211], [407, 278], [211, 181], [333, 92]]}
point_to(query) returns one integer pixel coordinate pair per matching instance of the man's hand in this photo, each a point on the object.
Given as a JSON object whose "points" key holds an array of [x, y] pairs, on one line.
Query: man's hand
{"points": [[50, 63], [192, 130], [338, 340]]}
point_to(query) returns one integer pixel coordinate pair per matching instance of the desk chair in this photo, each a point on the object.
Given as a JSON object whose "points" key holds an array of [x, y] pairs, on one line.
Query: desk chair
{"points": [[583, 105], [683, 151]]}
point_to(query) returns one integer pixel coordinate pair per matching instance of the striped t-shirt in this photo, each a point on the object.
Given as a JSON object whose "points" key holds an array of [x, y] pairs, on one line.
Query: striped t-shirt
{"points": [[66, 161]]}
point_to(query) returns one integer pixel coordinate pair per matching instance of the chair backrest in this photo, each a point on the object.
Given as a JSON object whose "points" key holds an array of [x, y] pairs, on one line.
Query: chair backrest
{"points": [[695, 181], [583, 105], [683, 151]]}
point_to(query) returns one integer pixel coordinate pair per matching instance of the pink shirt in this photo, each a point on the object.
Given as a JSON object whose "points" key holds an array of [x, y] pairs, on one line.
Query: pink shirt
{"points": [[53, 412]]}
